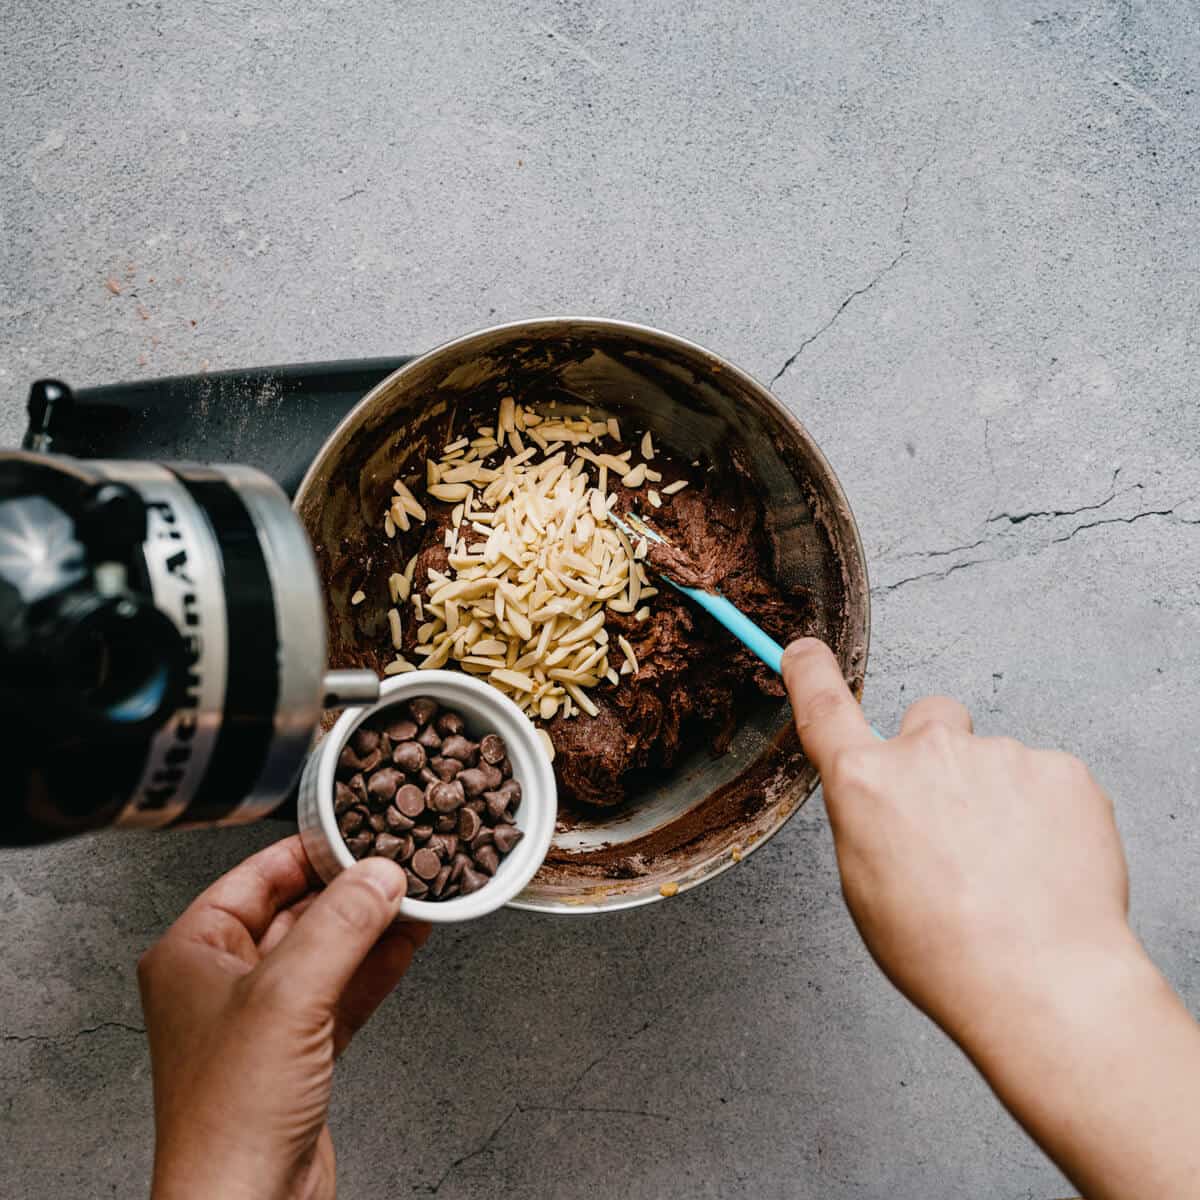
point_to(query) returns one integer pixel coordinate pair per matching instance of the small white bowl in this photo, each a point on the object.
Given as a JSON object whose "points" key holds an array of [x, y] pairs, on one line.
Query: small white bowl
{"points": [[485, 710]]}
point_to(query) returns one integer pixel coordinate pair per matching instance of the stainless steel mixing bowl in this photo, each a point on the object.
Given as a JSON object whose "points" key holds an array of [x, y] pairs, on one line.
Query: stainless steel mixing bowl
{"points": [[708, 812]]}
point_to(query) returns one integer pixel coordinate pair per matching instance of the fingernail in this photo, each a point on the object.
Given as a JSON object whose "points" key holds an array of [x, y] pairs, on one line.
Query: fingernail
{"points": [[385, 875]]}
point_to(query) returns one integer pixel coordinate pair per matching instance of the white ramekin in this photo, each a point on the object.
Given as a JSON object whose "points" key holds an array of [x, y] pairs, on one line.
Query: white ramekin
{"points": [[485, 710]]}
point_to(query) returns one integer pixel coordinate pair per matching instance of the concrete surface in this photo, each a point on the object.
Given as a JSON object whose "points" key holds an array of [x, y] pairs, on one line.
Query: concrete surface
{"points": [[959, 238]]}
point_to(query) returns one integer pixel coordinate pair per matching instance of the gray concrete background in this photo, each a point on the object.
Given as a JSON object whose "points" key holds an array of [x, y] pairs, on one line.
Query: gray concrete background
{"points": [[969, 228]]}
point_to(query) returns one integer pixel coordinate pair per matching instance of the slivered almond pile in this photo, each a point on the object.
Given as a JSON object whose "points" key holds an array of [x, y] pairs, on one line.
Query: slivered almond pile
{"points": [[535, 561]]}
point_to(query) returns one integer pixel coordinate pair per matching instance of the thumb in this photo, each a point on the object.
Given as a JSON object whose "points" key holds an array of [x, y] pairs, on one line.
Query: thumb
{"points": [[828, 718], [317, 958]]}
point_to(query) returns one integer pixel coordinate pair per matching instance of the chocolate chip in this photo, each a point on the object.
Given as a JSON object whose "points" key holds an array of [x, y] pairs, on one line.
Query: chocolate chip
{"points": [[417, 887], [459, 864], [440, 880], [510, 788], [445, 822], [408, 849], [426, 776], [459, 747], [444, 845], [484, 837], [422, 833], [445, 797], [506, 837], [351, 821], [377, 821], [387, 846], [360, 844], [492, 748], [423, 709], [505, 767], [364, 740], [348, 762], [468, 823], [410, 800], [409, 755], [397, 822], [491, 777], [497, 805], [477, 804], [371, 761], [402, 730], [448, 723], [473, 780], [445, 768], [343, 798], [487, 859], [471, 881], [381, 787], [451, 891], [358, 785], [428, 737], [426, 863]]}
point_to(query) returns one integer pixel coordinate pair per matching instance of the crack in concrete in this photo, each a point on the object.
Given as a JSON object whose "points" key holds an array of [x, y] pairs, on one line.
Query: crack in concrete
{"points": [[625, 1112], [943, 553], [862, 291], [1019, 518], [561, 1107], [481, 1149], [970, 562], [613, 1049], [70, 1037], [1153, 512], [1037, 549]]}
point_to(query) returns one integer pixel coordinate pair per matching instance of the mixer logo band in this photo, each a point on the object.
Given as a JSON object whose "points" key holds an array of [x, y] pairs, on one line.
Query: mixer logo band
{"points": [[180, 732]]}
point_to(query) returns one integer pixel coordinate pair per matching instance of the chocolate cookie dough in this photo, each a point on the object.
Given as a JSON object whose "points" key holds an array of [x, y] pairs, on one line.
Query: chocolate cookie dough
{"points": [[692, 675]]}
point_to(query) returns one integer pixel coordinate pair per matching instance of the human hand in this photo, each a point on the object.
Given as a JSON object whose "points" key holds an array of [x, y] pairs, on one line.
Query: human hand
{"points": [[249, 998], [975, 868], [989, 882]]}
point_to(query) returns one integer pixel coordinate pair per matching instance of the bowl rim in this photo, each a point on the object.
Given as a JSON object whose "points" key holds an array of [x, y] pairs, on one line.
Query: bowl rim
{"points": [[612, 325], [539, 800]]}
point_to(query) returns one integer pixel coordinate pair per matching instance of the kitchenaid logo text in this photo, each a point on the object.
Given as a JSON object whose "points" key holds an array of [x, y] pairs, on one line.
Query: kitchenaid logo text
{"points": [[171, 566]]}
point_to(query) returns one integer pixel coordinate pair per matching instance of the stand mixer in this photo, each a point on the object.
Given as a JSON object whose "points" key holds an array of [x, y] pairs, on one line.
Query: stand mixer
{"points": [[162, 640]]}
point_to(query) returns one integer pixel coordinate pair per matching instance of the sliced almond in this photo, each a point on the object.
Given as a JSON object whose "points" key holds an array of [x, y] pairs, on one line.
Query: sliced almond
{"points": [[672, 488], [630, 657], [647, 446], [517, 680], [450, 492]]}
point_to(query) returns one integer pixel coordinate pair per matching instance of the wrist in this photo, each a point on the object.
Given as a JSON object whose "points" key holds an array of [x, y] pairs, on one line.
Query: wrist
{"points": [[1066, 990], [182, 1173]]}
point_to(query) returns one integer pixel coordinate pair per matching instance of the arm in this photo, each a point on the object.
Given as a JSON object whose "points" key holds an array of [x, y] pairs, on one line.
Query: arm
{"points": [[989, 883]]}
